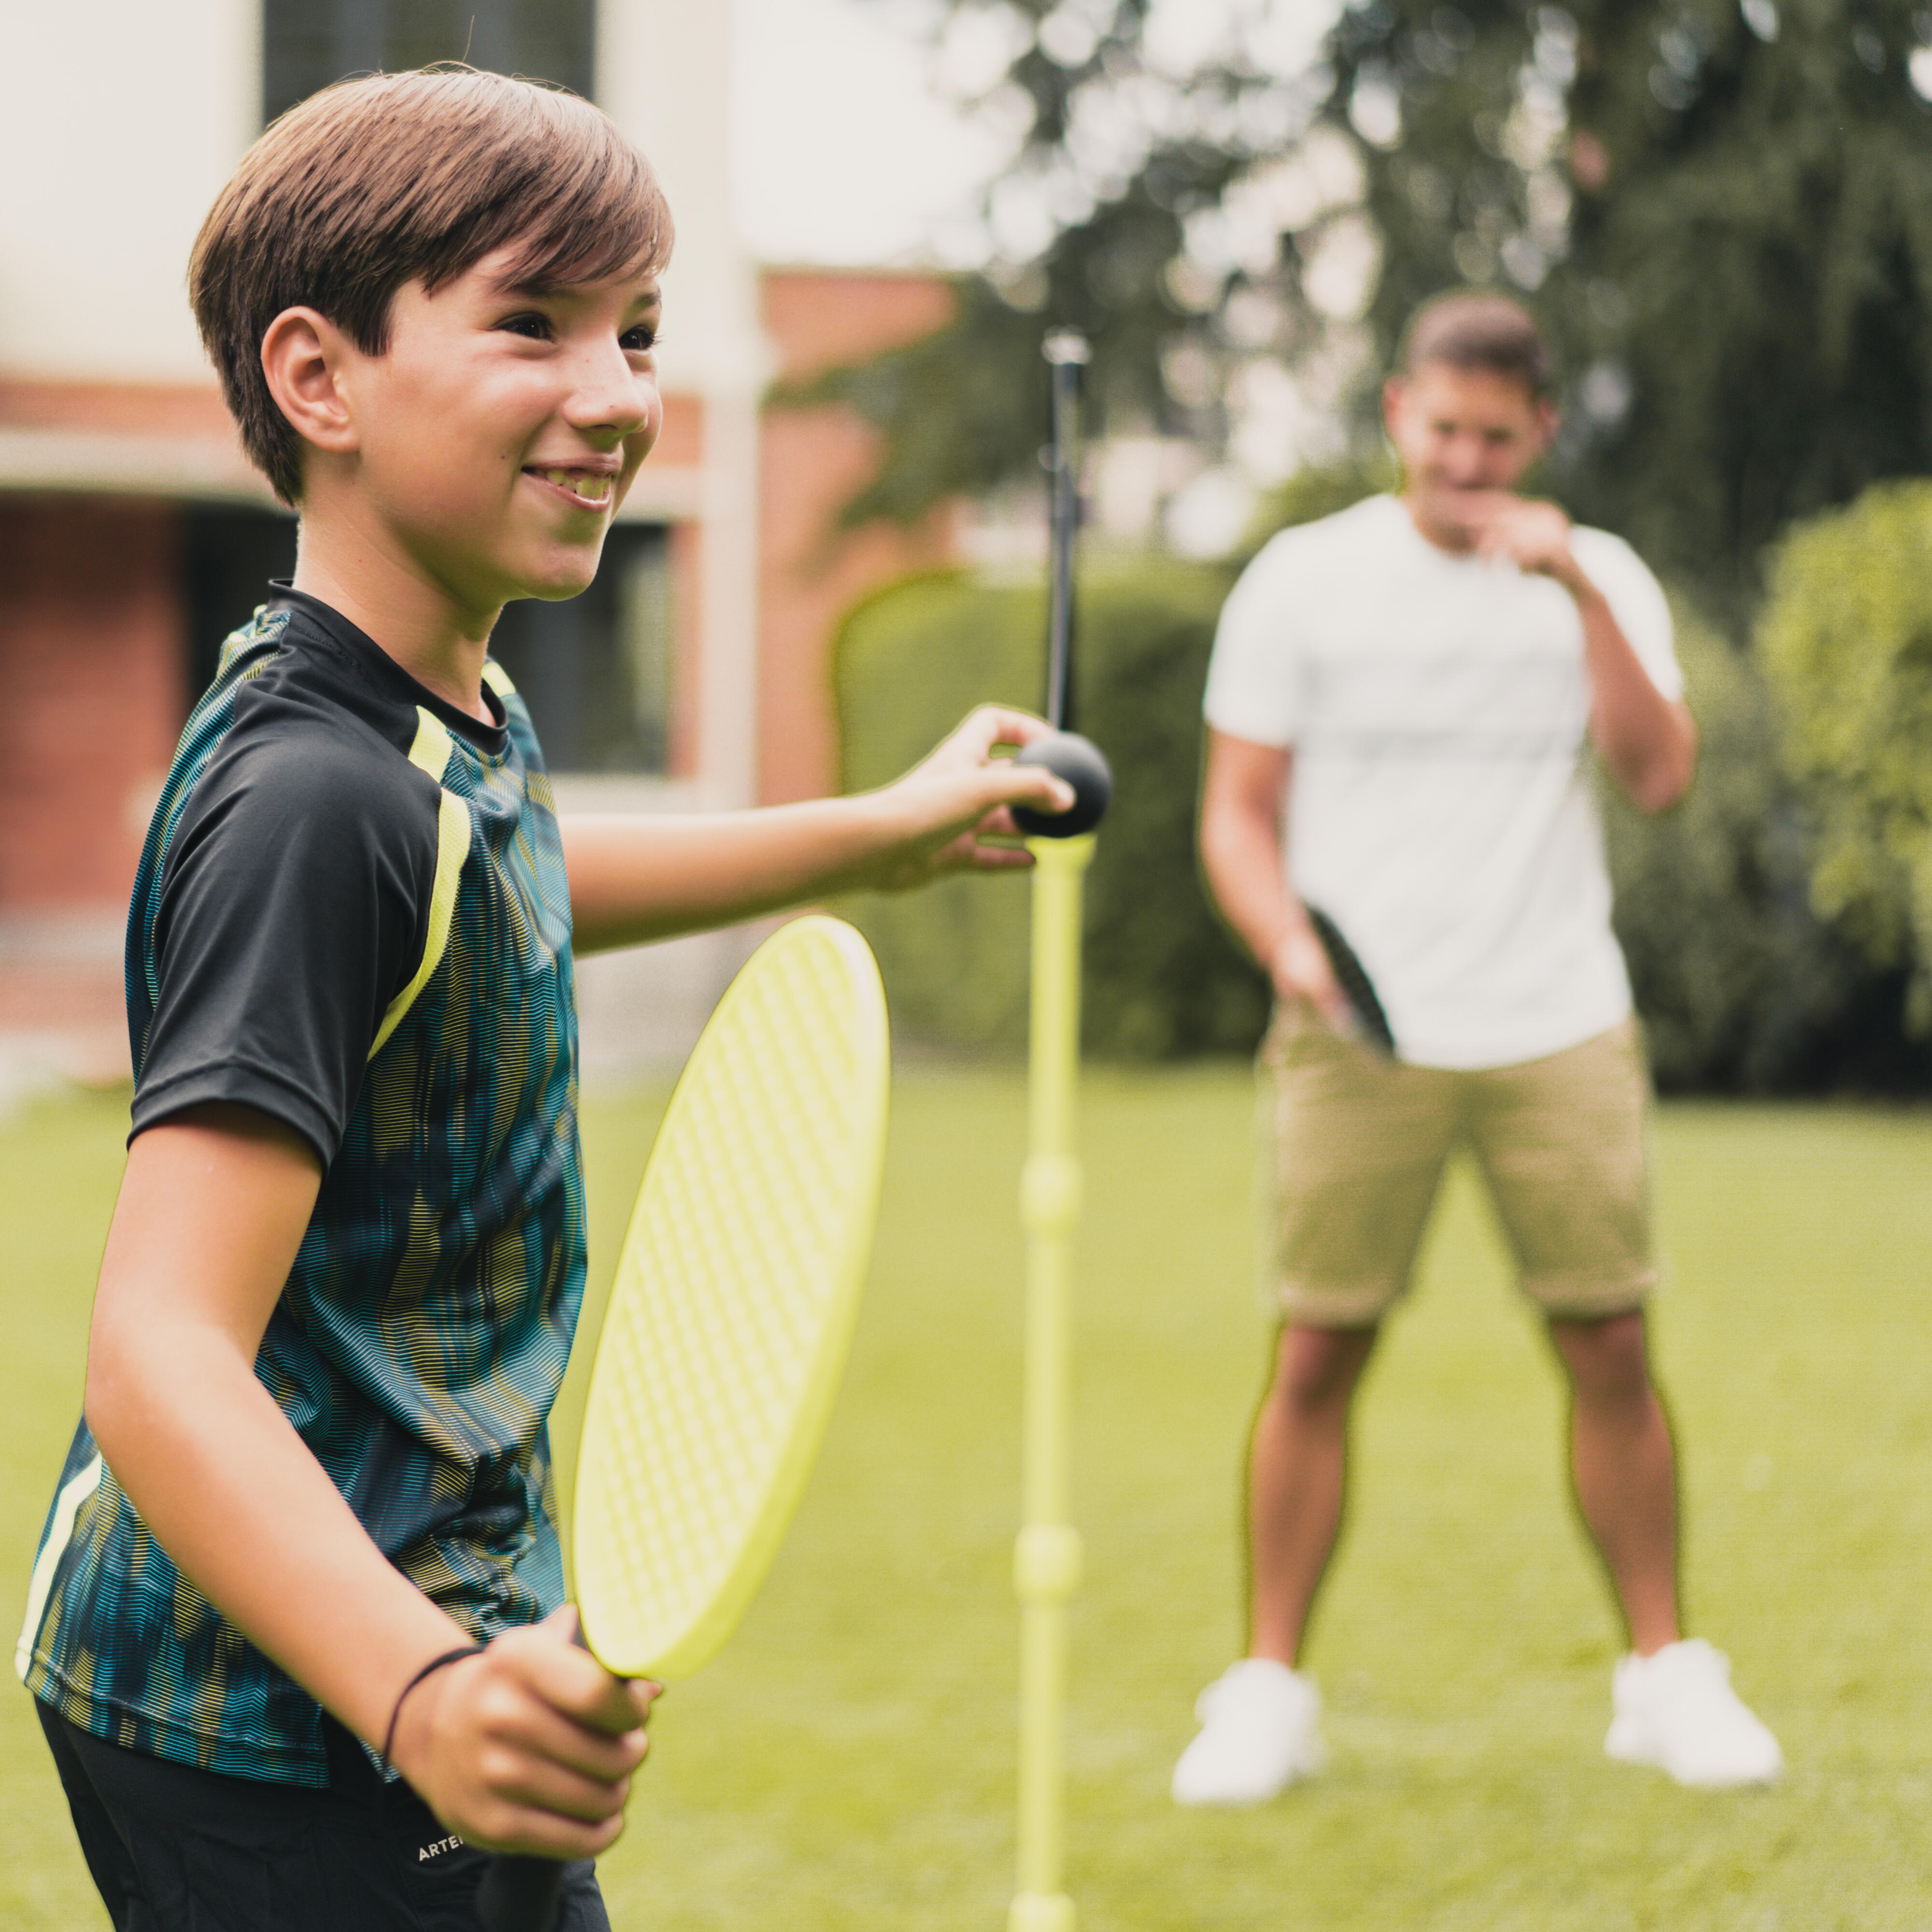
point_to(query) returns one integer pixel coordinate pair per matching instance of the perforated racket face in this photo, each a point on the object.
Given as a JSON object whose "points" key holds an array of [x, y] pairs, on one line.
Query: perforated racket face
{"points": [[733, 1302]]}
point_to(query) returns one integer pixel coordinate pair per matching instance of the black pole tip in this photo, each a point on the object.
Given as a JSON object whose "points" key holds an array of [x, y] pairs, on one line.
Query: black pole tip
{"points": [[1077, 760]]}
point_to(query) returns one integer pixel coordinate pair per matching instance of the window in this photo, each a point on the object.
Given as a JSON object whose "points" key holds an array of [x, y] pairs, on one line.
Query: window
{"points": [[307, 43], [228, 556], [595, 671]]}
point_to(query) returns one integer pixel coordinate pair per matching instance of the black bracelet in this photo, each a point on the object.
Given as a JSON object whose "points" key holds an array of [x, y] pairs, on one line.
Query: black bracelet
{"points": [[429, 1670]]}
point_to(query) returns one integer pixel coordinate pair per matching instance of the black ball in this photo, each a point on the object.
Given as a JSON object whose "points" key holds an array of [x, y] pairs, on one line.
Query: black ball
{"points": [[1077, 760]]}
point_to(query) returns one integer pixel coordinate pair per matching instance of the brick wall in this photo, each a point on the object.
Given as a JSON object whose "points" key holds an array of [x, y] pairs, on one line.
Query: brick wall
{"points": [[90, 671], [91, 663], [811, 462]]}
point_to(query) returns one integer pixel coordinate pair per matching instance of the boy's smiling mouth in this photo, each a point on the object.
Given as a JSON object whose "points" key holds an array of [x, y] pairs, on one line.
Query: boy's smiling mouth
{"points": [[582, 489]]}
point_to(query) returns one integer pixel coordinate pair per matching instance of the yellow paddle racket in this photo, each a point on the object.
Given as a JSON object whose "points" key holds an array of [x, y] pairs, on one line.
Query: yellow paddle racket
{"points": [[728, 1324]]}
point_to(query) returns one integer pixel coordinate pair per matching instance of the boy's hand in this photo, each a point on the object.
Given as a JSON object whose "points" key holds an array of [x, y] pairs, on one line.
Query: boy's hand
{"points": [[943, 811], [527, 1747]]}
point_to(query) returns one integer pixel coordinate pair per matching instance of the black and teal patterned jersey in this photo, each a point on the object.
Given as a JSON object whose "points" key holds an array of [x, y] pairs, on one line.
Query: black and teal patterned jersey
{"points": [[351, 914]]}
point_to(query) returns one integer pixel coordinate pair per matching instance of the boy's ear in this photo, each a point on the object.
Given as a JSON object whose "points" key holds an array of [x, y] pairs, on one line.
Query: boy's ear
{"points": [[304, 356]]}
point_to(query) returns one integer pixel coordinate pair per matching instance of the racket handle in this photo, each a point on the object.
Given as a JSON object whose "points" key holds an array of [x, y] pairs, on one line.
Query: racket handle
{"points": [[520, 1895]]}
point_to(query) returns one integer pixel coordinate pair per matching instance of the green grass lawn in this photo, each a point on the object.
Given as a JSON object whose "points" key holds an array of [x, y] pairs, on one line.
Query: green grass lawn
{"points": [[846, 1763]]}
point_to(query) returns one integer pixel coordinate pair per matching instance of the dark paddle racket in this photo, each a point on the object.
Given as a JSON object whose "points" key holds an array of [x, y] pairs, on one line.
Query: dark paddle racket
{"points": [[1370, 1023]]}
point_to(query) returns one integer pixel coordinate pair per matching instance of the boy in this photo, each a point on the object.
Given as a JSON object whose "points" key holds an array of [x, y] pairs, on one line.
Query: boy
{"points": [[310, 1503], [1402, 700]]}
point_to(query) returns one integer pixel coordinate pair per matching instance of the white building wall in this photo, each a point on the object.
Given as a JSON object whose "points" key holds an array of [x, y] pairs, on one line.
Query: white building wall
{"points": [[663, 75], [121, 120]]}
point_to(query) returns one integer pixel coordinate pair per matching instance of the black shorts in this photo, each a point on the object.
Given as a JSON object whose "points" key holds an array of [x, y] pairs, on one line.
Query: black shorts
{"points": [[175, 1848]]}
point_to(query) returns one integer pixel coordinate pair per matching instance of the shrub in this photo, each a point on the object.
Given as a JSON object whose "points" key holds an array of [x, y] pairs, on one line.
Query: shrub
{"points": [[1741, 987], [1162, 979], [1846, 641]]}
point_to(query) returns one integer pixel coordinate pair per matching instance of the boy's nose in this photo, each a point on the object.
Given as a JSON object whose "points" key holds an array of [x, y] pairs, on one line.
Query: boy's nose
{"points": [[609, 394]]}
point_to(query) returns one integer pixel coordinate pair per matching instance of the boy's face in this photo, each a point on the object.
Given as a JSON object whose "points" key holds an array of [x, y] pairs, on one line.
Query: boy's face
{"points": [[499, 430], [1462, 431]]}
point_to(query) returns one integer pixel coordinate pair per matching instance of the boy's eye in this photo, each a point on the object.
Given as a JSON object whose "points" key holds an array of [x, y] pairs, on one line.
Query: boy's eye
{"points": [[536, 327], [637, 341]]}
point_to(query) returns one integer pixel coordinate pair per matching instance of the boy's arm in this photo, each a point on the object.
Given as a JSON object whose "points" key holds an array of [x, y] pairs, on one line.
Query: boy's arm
{"points": [[527, 1747], [633, 879]]}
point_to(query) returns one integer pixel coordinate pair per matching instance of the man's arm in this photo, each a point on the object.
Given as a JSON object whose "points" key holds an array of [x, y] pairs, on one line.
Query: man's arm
{"points": [[1241, 807], [633, 879], [1649, 741], [528, 1746]]}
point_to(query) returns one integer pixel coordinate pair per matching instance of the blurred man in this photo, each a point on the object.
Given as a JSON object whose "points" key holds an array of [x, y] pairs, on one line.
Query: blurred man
{"points": [[1400, 704]]}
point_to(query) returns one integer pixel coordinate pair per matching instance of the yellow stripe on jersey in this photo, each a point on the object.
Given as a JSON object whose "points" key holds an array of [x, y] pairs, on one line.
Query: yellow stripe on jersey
{"points": [[497, 678], [60, 1533], [431, 753]]}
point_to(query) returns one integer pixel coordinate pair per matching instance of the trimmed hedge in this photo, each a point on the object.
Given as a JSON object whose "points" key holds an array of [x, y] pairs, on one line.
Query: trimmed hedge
{"points": [[1163, 980]]}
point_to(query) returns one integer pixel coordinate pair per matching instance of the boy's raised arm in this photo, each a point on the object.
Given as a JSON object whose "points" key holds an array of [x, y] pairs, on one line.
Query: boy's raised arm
{"points": [[528, 1746], [634, 879]]}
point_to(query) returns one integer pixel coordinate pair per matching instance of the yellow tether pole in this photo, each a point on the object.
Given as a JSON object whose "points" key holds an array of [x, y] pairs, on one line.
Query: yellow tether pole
{"points": [[1046, 1557]]}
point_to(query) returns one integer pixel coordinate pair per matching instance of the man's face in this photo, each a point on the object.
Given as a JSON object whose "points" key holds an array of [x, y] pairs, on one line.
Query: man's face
{"points": [[502, 426], [1461, 431]]}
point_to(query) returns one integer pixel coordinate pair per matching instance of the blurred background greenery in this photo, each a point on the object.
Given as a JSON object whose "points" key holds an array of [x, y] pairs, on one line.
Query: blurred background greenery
{"points": [[1778, 924], [1718, 211], [1163, 980]]}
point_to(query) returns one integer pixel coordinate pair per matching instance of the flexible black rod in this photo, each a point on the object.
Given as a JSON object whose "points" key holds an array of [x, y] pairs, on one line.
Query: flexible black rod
{"points": [[1067, 352]]}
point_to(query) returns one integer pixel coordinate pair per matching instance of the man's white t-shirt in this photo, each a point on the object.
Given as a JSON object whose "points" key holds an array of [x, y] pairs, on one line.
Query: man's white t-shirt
{"points": [[1440, 807]]}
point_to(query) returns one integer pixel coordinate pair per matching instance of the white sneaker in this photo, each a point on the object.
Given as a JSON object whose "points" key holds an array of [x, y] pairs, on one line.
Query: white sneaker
{"points": [[1258, 1736], [1676, 1709]]}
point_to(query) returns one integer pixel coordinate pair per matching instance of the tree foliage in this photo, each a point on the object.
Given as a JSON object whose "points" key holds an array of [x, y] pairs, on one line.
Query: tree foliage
{"points": [[1116, 159], [1759, 213], [1721, 211]]}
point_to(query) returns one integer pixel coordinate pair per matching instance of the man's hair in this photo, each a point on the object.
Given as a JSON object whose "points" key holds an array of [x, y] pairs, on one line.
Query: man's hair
{"points": [[1469, 329], [375, 183]]}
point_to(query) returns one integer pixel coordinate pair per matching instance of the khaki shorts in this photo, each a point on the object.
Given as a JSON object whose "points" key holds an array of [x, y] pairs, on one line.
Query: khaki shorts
{"points": [[1355, 1145]]}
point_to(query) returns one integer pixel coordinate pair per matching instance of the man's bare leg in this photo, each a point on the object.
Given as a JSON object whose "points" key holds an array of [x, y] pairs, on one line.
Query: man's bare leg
{"points": [[1296, 1475], [1260, 1721], [1624, 1469]]}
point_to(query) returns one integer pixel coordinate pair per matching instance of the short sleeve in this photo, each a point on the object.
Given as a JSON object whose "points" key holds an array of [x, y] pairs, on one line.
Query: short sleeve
{"points": [[294, 905], [1253, 677], [1637, 602]]}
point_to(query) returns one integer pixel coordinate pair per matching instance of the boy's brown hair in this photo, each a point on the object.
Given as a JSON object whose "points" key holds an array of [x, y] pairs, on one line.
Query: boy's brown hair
{"points": [[374, 183], [1472, 329]]}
